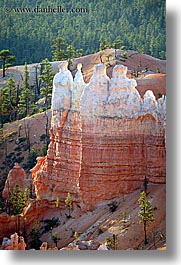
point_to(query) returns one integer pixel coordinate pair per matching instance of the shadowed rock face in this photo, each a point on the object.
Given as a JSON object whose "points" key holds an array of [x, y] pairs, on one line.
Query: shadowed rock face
{"points": [[105, 143], [16, 176]]}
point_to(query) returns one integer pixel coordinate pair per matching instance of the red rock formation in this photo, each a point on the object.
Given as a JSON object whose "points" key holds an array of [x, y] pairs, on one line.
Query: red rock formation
{"points": [[14, 243], [16, 176], [154, 82], [97, 156], [9, 225], [117, 159]]}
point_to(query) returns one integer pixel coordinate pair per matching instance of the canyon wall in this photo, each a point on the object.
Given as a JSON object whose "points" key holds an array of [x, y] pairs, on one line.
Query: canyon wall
{"points": [[104, 138]]}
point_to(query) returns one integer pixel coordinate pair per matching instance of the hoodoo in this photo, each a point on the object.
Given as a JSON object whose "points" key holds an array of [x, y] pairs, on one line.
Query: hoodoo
{"points": [[104, 138]]}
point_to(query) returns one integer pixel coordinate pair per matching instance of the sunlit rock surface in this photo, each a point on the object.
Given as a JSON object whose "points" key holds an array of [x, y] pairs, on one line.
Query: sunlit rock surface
{"points": [[104, 141]]}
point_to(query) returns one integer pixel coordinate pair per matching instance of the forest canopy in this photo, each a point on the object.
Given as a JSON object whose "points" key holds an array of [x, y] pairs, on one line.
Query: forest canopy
{"points": [[29, 34]]}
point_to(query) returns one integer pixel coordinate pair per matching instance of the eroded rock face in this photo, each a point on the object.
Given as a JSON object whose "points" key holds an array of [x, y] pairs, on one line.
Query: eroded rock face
{"points": [[62, 87], [16, 176], [14, 243], [105, 143]]}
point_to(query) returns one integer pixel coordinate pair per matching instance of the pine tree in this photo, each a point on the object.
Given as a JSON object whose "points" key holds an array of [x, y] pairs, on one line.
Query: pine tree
{"points": [[145, 213], [104, 44], [18, 200], [58, 47], [117, 43], [70, 54], [35, 236], [145, 184], [26, 98], [68, 203], [47, 79], [6, 57], [11, 93]]}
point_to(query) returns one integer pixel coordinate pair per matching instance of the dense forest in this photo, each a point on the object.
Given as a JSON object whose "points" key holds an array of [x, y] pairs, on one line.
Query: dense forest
{"points": [[140, 24]]}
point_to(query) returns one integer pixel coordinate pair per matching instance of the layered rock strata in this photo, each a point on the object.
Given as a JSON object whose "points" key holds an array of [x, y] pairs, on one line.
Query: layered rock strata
{"points": [[104, 141]]}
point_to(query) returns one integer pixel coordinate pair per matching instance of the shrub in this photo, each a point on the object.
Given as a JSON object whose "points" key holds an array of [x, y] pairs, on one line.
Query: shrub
{"points": [[35, 236], [113, 206], [42, 137], [50, 224], [21, 139], [12, 134]]}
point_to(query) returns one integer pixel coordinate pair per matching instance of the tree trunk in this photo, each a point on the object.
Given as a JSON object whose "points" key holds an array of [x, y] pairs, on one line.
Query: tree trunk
{"points": [[4, 68], [145, 233]]}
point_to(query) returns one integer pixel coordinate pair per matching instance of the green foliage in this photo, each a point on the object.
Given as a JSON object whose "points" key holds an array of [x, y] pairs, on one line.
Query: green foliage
{"points": [[57, 203], [104, 44], [12, 134], [47, 78], [55, 238], [31, 161], [117, 44], [112, 242], [18, 199], [124, 215], [145, 184], [49, 224], [9, 99], [124, 54], [42, 137], [68, 204], [33, 154], [145, 212], [35, 236], [75, 235], [43, 151], [140, 24], [27, 97], [21, 139], [113, 206], [58, 49], [6, 57], [1, 136]]}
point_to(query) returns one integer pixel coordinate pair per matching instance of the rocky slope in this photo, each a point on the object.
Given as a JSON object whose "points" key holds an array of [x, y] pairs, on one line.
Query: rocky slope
{"points": [[93, 227]]}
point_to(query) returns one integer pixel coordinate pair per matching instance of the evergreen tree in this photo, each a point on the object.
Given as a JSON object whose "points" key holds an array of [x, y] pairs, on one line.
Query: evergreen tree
{"points": [[145, 184], [136, 23], [70, 54], [58, 47], [117, 43], [11, 93], [46, 78], [68, 203], [17, 200], [145, 213], [55, 238], [104, 44], [26, 97], [35, 236], [6, 57], [79, 52]]}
